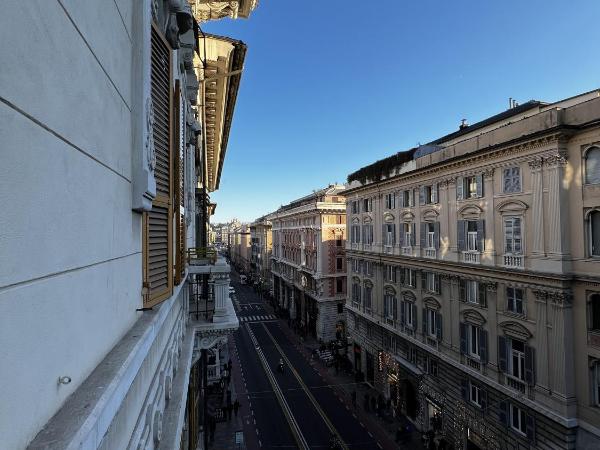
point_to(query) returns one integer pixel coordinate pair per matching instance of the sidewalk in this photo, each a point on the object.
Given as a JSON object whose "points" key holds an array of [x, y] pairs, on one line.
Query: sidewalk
{"points": [[343, 386], [225, 432]]}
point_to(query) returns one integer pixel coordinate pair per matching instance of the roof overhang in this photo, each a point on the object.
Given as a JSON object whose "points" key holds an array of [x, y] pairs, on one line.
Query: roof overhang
{"points": [[219, 65]]}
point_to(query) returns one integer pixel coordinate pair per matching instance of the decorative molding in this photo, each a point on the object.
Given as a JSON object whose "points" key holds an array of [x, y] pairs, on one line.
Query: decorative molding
{"points": [[536, 163], [512, 206], [409, 296], [516, 330], [561, 298], [429, 215], [367, 219], [389, 290], [470, 211], [558, 159], [473, 316], [407, 216], [432, 303], [492, 287], [388, 217], [489, 173]]}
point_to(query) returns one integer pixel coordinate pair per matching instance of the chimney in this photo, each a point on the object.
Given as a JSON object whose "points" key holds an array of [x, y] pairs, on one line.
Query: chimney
{"points": [[463, 124]]}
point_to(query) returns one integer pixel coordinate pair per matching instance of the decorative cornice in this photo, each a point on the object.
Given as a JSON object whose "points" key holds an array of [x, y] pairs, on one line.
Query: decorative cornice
{"points": [[558, 159], [492, 287], [473, 316], [515, 329], [489, 172]]}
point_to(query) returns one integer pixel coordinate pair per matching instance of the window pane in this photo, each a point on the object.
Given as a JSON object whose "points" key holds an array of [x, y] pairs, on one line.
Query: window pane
{"points": [[592, 166], [595, 232]]}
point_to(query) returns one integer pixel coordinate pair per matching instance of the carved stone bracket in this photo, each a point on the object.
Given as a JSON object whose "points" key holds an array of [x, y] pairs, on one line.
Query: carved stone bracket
{"points": [[492, 287], [489, 172], [557, 160], [536, 163], [561, 298]]}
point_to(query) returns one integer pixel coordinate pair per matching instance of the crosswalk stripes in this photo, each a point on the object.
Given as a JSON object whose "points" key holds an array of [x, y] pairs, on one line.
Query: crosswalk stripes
{"points": [[257, 318]]}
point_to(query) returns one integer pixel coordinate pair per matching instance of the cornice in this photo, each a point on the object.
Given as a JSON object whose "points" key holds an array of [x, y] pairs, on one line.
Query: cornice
{"points": [[515, 146]]}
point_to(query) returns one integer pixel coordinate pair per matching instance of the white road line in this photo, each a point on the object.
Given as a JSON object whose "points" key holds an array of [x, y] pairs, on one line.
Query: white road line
{"points": [[370, 435], [257, 431], [379, 445], [259, 443]]}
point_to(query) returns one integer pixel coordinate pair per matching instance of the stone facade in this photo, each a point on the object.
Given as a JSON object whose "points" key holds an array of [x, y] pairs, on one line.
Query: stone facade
{"points": [[472, 276], [308, 261], [92, 356], [261, 242]]}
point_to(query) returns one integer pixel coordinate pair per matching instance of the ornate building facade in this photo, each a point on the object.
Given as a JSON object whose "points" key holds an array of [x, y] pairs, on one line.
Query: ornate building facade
{"points": [[474, 279], [108, 326], [261, 242], [308, 261]]}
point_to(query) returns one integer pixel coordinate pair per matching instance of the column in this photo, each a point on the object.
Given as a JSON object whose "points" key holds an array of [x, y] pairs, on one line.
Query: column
{"points": [[537, 208], [557, 205], [561, 341], [451, 219], [221, 293], [489, 256], [443, 219]]}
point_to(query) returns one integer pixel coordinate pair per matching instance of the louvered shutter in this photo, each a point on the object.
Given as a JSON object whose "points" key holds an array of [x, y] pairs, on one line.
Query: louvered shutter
{"points": [[401, 200], [530, 422], [422, 195], [401, 240], [434, 193], [157, 223], [529, 365], [462, 231], [423, 237], [436, 240], [482, 294], [479, 181], [438, 325], [464, 390], [403, 305], [460, 188], [502, 356], [424, 319], [483, 345], [463, 338], [462, 295], [481, 235], [413, 237], [503, 413], [179, 185]]}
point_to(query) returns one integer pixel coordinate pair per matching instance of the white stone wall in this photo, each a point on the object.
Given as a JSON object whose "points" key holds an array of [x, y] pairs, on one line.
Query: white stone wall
{"points": [[70, 250]]}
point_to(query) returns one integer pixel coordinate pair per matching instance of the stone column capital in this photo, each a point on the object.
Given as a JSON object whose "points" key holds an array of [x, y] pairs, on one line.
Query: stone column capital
{"points": [[489, 172], [563, 299], [536, 163], [558, 159]]}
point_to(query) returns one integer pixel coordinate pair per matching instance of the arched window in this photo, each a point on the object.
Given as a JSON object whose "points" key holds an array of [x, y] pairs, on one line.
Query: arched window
{"points": [[594, 232], [592, 166], [594, 312]]}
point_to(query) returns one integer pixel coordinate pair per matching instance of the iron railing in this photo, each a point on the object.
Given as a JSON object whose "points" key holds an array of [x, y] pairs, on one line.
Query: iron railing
{"points": [[201, 298]]}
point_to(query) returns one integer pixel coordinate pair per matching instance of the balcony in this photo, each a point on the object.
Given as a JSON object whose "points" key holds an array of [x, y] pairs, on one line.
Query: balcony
{"points": [[407, 251], [515, 384], [471, 257], [200, 257], [210, 308], [387, 249], [513, 261], [430, 253]]}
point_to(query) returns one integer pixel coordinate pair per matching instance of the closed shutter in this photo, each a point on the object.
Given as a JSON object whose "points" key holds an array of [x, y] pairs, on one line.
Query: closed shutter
{"points": [[438, 325], [459, 188], [592, 166], [482, 300], [413, 237], [434, 193], [422, 195], [529, 365], [483, 345], [464, 390], [157, 223], [502, 356], [481, 235], [179, 185], [424, 319], [479, 181], [436, 240], [463, 338], [462, 232], [423, 237], [403, 306]]}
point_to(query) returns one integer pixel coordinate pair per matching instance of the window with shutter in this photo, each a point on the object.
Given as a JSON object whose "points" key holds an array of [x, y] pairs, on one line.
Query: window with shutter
{"points": [[157, 223], [179, 184], [594, 233]]}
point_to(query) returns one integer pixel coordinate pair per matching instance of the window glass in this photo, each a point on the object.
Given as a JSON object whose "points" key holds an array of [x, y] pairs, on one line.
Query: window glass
{"points": [[514, 297], [595, 233], [512, 180], [592, 166]]}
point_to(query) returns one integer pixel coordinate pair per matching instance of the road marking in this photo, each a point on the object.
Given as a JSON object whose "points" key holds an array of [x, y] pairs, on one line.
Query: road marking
{"points": [[369, 433], [259, 443], [313, 400], [379, 445]]}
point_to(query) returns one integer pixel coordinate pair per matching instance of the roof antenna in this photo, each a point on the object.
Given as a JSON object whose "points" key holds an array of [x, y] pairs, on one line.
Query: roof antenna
{"points": [[463, 124]]}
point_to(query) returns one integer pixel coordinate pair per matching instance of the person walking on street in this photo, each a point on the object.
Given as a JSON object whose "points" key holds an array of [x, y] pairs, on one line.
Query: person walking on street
{"points": [[236, 407]]}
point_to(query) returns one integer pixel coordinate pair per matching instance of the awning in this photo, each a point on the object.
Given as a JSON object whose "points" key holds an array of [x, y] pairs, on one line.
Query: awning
{"points": [[407, 365]]}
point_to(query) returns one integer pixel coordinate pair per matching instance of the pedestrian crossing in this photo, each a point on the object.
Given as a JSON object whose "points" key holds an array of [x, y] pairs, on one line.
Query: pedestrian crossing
{"points": [[258, 318]]}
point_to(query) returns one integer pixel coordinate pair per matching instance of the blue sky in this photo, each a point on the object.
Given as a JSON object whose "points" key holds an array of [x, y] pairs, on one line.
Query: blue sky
{"points": [[331, 86]]}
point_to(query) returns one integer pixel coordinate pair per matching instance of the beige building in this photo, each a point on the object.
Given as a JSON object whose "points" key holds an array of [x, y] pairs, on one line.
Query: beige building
{"points": [[308, 261], [474, 279], [239, 249], [261, 242]]}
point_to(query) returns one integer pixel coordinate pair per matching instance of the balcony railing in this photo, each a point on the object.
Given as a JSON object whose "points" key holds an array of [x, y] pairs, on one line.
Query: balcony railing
{"points": [[471, 257], [517, 385], [407, 251], [201, 298], [387, 249], [430, 253], [513, 261], [201, 256]]}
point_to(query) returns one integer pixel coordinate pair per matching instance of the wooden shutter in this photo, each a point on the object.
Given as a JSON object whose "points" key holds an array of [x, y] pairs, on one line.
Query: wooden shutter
{"points": [[482, 300], [463, 338], [502, 354], [529, 365], [479, 182], [481, 235], [157, 223], [460, 188], [179, 184], [503, 413], [424, 320], [403, 305], [422, 195], [423, 237], [436, 229], [464, 389], [462, 233], [438, 326], [483, 345]]}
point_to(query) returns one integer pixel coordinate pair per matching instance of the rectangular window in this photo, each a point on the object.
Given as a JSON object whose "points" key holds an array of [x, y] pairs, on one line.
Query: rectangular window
{"points": [[513, 243], [408, 198], [511, 180], [516, 360], [339, 264], [472, 236], [340, 308], [472, 291], [367, 205], [389, 234], [409, 319], [368, 265], [409, 277], [432, 282], [430, 235], [407, 231], [518, 419], [469, 187], [355, 234], [431, 323], [355, 209], [367, 234], [412, 355], [474, 348], [390, 273], [475, 394], [390, 201], [339, 285], [514, 300], [356, 266], [338, 242], [390, 307], [367, 299]]}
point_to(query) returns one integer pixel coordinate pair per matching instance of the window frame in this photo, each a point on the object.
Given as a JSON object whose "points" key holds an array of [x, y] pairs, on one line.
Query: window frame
{"points": [[512, 237], [591, 148], [594, 213], [522, 419], [514, 300], [518, 177], [478, 401]]}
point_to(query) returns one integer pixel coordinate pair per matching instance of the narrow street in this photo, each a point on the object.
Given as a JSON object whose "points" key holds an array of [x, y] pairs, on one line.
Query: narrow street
{"points": [[307, 412]]}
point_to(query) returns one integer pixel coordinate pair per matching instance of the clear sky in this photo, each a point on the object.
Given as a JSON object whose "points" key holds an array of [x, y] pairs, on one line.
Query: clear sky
{"points": [[331, 86]]}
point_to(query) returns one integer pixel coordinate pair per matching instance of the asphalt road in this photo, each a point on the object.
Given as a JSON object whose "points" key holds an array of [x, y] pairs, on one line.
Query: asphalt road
{"points": [[312, 404]]}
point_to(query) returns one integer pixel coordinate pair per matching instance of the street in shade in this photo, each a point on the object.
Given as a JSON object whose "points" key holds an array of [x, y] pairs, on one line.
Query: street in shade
{"points": [[293, 408]]}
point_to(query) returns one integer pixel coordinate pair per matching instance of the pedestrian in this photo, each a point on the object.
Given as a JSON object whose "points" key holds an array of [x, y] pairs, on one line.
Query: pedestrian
{"points": [[354, 399], [236, 407]]}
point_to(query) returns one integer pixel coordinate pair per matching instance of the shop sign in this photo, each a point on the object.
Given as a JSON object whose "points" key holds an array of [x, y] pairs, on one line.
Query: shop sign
{"points": [[380, 361]]}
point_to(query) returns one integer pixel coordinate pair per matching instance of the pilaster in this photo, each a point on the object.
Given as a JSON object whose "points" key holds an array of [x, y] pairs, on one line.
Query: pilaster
{"points": [[220, 283], [489, 255], [452, 219], [537, 209], [541, 335], [557, 210]]}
